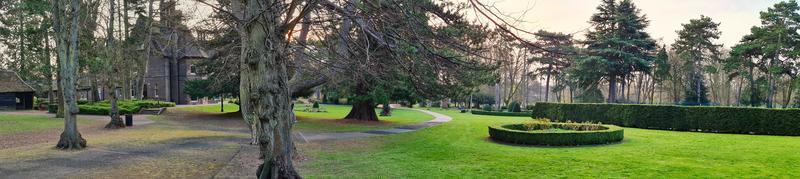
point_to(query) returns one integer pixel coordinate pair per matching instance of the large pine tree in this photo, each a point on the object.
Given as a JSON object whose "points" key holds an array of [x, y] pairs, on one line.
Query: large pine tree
{"points": [[616, 47], [695, 45]]}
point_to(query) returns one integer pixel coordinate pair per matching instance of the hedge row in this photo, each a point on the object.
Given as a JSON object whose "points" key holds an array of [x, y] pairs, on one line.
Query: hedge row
{"points": [[737, 120], [495, 113], [125, 107], [512, 133]]}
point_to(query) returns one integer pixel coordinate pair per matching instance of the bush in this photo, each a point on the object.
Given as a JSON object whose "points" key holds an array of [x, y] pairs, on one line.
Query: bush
{"points": [[487, 108], [514, 107], [736, 120], [315, 105], [517, 133], [495, 113], [125, 107]]}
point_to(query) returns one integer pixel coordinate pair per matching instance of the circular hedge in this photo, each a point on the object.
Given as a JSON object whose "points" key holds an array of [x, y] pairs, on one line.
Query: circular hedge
{"points": [[515, 133]]}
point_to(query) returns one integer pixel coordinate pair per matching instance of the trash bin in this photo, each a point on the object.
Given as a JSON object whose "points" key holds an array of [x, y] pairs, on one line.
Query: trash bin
{"points": [[129, 120]]}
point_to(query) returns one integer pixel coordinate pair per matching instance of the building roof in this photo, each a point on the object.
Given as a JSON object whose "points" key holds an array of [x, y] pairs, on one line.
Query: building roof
{"points": [[11, 82]]}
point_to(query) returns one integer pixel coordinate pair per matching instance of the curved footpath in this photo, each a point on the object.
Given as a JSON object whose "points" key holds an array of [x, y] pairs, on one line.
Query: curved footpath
{"points": [[439, 118], [243, 164]]}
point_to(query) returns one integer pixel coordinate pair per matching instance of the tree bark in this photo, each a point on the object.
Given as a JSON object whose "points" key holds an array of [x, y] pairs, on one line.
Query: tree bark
{"points": [[547, 85], [116, 121], [70, 138], [387, 110], [363, 111], [266, 86], [612, 89]]}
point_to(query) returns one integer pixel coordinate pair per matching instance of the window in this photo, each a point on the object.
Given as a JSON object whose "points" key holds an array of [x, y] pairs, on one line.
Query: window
{"points": [[192, 70]]}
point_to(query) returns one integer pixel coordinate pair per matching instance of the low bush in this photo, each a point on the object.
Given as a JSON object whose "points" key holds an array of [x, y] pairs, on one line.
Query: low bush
{"points": [[737, 120], [125, 107], [514, 107], [496, 113], [519, 134]]}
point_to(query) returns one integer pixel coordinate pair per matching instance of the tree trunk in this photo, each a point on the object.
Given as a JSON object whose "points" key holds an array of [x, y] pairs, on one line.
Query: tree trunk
{"points": [[612, 89], [639, 88], [116, 121], [221, 103], [547, 87], [623, 83], [753, 89], [387, 110], [70, 138], [363, 111], [266, 87], [789, 93]]}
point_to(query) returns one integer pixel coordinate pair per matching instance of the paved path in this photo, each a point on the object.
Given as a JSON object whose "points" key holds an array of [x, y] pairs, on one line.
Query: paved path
{"points": [[440, 118]]}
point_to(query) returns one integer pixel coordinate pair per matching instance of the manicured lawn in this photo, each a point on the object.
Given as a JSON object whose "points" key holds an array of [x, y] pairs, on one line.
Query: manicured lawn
{"points": [[26, 123], [210, 108], [461, 149], [331, 121]]}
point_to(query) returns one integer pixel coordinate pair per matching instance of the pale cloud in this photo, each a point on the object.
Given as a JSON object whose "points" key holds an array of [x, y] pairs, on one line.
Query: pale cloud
{"points": [[666, 16]]}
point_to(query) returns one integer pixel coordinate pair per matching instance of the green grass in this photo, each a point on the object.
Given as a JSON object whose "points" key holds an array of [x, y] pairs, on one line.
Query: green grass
{"points": [[211, 108], [331, 121], [10, 124], [461, 149]]}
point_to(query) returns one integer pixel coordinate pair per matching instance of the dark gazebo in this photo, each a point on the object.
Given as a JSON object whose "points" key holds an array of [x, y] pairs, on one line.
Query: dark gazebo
{"points": [[14, 93]]}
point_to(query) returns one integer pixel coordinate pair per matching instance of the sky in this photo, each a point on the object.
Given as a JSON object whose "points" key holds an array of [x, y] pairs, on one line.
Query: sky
{"points": [[666, 16]]}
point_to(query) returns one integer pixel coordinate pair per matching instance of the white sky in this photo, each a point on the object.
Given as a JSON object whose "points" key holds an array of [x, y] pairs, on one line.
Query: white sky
{"points": [[666, 16], [571, 16]]}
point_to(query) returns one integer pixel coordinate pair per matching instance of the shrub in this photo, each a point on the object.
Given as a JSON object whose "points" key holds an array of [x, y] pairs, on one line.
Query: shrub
{"points": [[125, 107], [514, 107], [487, 107], [517, 133], [737, 120], [315, 105], [498, 113]]}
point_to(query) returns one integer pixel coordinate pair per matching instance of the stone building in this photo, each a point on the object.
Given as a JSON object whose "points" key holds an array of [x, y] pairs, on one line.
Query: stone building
{"points": [[174, 54]]}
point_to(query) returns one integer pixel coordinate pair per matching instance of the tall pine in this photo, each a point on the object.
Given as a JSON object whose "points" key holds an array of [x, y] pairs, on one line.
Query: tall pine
{"points": [[695, 45], [617, 46]]}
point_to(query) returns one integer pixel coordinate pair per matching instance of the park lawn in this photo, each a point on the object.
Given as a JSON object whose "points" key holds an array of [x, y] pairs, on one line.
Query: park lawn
{"points": [[209, 108], [10, 124], [153, 151], [331, 121], [461, 149]]}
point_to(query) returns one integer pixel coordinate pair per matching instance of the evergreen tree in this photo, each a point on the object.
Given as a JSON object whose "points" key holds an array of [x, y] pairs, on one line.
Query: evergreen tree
{"points": [[695, 45], [616, 47]]}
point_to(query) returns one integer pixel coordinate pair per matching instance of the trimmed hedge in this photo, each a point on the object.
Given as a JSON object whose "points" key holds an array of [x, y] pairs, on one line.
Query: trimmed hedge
{"points": [[513, 133], [495, 113], [125, 107], [736, 120]]}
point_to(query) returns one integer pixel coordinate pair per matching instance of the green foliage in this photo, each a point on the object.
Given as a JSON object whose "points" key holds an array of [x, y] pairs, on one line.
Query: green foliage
{"points": [[679, 118], [198, 88], [315, 105], [519, 134], [125, 107], [695, 45], [616, 47], [496, 113], [697, 93], [514, 107], [487, 107]]}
